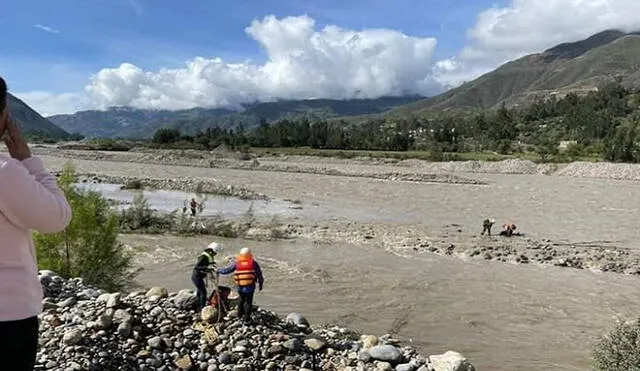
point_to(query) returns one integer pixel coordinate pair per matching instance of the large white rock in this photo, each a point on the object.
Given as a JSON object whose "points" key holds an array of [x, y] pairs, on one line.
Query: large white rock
{"points": [[450, 361]]}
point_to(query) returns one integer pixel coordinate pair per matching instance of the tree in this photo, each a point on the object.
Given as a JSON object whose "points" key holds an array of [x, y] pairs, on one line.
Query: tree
{"points": [[166, 136], [89, 246]]}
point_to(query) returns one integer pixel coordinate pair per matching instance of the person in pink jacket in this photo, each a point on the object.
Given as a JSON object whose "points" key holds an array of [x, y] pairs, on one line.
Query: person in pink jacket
{"points": [[29, 200]]}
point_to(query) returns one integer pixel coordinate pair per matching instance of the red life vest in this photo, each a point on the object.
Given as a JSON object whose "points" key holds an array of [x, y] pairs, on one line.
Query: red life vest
{"points": [[245, 273]]}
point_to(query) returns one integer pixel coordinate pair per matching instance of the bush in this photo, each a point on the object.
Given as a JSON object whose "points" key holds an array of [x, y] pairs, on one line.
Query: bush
{"points": [[620, 349], [89, 246], [140, 217], [133, 184]]}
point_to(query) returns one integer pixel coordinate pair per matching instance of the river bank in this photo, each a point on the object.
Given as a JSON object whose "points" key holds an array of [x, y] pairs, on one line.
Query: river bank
{"points": [[390, 169], [85, 328]]}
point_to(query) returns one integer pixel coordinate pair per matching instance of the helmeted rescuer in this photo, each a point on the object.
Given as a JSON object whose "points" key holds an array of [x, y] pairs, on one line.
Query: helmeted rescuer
{"points": [[205, 264], [246, 274], [486, 226]]}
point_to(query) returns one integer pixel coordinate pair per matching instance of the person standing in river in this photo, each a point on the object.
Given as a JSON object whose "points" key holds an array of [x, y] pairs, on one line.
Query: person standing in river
{"points": [[30, 199], [194, 207], [487, 224]]}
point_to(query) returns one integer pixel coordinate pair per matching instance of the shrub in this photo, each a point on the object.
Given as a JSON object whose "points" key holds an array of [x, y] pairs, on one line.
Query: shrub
{"points": [[133, 184], [140, 217], [89, 246], [619, 350]]}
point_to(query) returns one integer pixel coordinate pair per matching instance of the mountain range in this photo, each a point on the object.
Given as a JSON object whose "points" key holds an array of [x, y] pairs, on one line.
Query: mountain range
{"points": [[31, 122], [581, 66], [128, 122]]}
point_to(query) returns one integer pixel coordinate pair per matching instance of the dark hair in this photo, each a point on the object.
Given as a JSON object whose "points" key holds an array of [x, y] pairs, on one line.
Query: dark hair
{"points": [[3, 95]]}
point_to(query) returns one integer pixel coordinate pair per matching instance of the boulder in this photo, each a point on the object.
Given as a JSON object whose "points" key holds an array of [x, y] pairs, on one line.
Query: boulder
{"points": [[297, 319], [387, 353], [185, 300], [160, 292], [114, 300], [209, 314], [368, 341], [450, 361], [72, 337], [315, 344]]}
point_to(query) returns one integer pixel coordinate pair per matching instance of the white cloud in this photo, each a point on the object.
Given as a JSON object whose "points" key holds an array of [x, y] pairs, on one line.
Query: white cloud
{"points": [[302, 62], [47, 104], [46, 28], [530, 26], [306, 62]]}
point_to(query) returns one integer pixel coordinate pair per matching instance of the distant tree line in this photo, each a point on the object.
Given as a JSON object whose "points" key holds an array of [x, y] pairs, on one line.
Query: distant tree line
{"points": [[603, 123]]}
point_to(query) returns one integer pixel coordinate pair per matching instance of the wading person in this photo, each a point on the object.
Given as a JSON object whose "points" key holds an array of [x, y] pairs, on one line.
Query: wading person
{"points": [[194, 207], [206, 263], [246, 274], [29, 200]]}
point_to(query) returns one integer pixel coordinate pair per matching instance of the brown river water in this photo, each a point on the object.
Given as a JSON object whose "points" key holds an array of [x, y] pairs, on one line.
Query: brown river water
{"points": [[501, 316]]}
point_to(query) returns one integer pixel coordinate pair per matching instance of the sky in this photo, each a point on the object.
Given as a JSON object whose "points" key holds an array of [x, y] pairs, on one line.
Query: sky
{"points": [[68, 55]]}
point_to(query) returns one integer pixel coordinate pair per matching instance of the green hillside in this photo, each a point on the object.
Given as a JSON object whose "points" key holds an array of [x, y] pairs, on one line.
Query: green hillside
{"points": [[609, 56]]}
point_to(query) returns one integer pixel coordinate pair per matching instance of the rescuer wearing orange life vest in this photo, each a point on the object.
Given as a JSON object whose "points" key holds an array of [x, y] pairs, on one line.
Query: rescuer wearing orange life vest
{"points": [[247, 273]]}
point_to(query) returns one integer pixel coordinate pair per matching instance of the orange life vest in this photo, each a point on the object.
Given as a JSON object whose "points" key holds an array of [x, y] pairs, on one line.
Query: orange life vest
{"points": [[245, 274]]}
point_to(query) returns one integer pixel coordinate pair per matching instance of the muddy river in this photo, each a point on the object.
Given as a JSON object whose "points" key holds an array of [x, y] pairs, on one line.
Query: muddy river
{"points": [[501, 316]]}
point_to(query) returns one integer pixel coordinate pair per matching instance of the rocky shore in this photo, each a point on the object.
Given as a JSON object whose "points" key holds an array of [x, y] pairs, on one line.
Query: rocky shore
{"points": [[193, 185], [84, 328], [408, 170], [234, 162], [593, 255]]}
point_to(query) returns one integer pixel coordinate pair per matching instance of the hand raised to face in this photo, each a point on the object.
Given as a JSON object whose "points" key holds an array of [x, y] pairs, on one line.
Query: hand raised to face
{"points": [[17, 145], [3, 121]]}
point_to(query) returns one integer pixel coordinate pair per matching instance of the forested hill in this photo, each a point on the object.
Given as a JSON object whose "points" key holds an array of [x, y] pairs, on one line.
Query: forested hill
{"points": [[139, 123]]}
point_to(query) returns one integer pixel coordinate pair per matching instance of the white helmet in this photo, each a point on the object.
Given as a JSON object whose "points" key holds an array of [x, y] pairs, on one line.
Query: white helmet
{"points": [[216, 247], [245, 251]]}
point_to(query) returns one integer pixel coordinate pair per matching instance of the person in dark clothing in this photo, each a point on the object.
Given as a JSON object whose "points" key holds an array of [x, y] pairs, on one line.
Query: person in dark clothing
{"points": [[20, 341], [247, 273], [194, 206], [206, 263], [486, 226]]}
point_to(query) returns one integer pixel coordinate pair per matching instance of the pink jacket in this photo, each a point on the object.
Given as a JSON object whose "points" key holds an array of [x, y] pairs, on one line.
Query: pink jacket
{"points": [[29, 200]]}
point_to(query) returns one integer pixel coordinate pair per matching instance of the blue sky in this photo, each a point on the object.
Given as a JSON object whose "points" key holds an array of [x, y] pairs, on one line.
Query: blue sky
{"points": [[93, 34], [61, 56]]}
